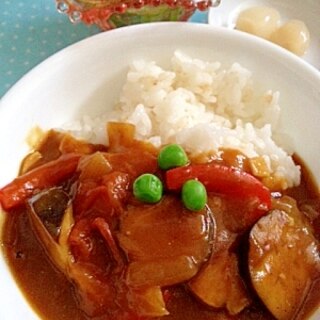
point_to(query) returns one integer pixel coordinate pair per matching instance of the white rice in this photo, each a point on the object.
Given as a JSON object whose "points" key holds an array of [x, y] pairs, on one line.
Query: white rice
{"points": [[200, 105]]}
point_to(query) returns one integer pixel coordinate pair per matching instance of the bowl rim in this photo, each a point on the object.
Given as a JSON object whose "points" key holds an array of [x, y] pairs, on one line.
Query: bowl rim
{"points": [[292, 59]]}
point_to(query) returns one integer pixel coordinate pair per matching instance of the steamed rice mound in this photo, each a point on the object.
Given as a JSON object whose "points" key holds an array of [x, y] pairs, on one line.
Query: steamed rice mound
{"points": [[202, 106]]}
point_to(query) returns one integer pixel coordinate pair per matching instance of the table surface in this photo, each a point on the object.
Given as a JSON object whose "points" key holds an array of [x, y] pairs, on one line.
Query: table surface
{"points": [[33, 30]]}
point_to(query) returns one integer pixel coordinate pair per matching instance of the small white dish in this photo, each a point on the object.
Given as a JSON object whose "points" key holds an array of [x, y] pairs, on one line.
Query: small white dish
{"points": [[87, 76], [226, 14]]}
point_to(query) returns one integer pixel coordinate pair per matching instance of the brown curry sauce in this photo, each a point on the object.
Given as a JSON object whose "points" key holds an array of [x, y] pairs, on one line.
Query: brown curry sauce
{"points": [[54, 297]]}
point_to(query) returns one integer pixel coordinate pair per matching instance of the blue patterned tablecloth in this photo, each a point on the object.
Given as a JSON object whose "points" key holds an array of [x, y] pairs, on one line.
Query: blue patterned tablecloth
{"points": [[31, 31]]}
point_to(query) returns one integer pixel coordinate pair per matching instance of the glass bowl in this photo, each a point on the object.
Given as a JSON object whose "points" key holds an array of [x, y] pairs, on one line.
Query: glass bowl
{"points": [[110, 14]]}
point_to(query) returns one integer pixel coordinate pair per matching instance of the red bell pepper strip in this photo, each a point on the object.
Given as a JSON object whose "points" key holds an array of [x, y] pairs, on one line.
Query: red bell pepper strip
{"points": [[44, 176], [221, 179]]}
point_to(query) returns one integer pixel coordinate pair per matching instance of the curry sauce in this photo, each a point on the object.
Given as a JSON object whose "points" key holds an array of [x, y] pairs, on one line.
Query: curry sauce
{"points": [[130, 260]]}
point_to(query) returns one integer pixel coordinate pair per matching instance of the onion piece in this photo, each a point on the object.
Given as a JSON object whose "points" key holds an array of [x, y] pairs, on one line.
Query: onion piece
{"points": [[57, 251]]}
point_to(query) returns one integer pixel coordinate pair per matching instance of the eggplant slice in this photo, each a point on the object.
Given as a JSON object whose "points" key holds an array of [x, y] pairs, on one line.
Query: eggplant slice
{"points": [[165, 243], [283, 259], [51, 217]]}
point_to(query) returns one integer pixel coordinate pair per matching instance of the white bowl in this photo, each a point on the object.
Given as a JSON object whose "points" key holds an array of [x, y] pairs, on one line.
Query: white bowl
{"points": [[87, 76]]}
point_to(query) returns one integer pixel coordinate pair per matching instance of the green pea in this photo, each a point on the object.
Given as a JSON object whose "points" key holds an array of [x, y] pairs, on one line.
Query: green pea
{"points": [[148, 188], [172, 156], [194, 195]]}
